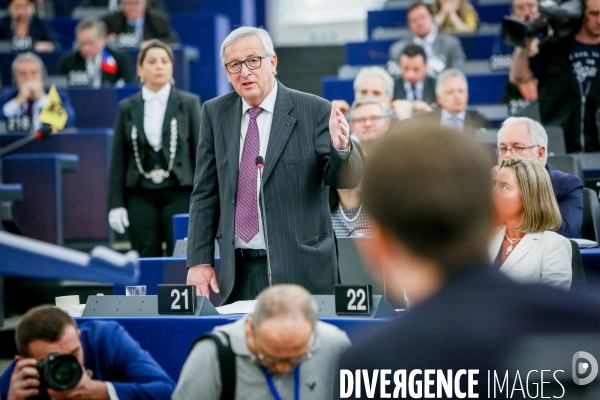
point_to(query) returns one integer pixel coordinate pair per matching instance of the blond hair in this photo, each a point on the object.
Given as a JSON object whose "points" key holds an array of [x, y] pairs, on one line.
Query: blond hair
{"points": [[540, 209]]}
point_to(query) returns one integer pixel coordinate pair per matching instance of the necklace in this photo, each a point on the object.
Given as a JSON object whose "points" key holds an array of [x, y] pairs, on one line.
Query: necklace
{"points": [[353, 218], [157, 175], [511, 241]]}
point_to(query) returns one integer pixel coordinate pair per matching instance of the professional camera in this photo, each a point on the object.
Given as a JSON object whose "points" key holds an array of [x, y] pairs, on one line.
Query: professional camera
{"points": [[58, 372], [557, 21]]}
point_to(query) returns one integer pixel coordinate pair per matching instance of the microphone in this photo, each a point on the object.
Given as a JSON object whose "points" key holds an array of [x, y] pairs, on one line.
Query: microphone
{"points": [[260, 163], [40, 134]]}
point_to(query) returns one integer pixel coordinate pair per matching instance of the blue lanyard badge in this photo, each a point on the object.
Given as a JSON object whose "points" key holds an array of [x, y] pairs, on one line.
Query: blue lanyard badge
{"points": [[272, 387]]}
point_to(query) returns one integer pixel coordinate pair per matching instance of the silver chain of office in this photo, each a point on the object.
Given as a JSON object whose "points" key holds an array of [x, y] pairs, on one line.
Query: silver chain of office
{"points": [[157, 175]]}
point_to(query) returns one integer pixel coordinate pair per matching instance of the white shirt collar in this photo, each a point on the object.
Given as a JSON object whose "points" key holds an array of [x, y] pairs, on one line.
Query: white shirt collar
{"points": [[268, 104], [418, 86], [162, 95], [461, 115], [429, 38]]}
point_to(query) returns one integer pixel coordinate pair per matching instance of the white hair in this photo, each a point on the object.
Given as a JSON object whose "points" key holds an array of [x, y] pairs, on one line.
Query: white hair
{"points": [[245, 31], [284, 301], [377, 72], [28, 56], [535, 129], [385, 109], [449, 73]]}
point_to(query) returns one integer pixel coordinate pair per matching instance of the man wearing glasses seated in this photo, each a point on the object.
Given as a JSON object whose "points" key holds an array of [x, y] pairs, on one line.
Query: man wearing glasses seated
{"points": [[278, 352], [526, 138]]}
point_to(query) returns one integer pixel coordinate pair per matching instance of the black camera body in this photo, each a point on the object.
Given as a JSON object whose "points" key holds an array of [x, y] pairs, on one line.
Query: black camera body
{"points": [[556, 22], [58, 372]]}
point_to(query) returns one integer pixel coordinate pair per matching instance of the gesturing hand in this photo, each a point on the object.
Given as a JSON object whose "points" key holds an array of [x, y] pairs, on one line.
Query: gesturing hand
{"points": [[339, 128], [202, 276]]}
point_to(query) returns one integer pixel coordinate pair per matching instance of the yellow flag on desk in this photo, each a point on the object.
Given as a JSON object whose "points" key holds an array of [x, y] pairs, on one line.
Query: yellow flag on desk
{"points": [[53, 112]]}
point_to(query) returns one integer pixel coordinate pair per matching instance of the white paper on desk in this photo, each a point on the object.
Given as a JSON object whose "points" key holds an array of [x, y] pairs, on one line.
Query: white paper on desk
{"points": [[239, 307]]}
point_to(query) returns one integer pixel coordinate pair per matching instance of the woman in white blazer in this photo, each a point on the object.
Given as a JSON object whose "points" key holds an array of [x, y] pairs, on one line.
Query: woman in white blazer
{"points": [[526, 249]]}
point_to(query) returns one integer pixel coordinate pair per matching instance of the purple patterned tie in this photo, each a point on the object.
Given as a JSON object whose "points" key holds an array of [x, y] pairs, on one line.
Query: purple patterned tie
{"points": [[246, 205]]}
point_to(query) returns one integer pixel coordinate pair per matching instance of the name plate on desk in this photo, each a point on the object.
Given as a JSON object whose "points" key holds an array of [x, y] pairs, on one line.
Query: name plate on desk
{"points": [[353, 299], [176, 299], [139, 306]]}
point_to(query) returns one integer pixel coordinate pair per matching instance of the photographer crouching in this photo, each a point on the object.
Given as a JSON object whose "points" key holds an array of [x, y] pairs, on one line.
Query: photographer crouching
{"points": [[566, 68], [100, 360]]}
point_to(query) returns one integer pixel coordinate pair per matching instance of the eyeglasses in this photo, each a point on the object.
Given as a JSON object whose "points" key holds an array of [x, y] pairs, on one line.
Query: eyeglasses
{"points": [[515, 149], [291, 361], [374, 119], [251, 63]]}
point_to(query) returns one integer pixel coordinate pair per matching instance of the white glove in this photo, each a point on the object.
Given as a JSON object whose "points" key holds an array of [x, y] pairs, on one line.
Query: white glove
{"points": [[118, 219]]}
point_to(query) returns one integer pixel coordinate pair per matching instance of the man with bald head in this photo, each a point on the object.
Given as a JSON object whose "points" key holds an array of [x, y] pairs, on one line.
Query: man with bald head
{"points": [[527, 138], [281, 347]]}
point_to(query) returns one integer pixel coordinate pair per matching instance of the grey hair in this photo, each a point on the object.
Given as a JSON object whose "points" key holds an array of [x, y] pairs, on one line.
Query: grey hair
{"points": [[245, 31], [378, 72], [535, 129], [449, 73], [91, 23], [287, 301], [28, 56], [386, 109]]}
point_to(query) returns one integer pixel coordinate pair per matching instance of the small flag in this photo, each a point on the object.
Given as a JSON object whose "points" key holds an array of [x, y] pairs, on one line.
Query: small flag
{"points": [[109, 64], [53, 112]]}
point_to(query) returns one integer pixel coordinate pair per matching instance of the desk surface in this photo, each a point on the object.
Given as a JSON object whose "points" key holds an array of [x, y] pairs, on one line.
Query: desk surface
{"points": [[170, 339]]}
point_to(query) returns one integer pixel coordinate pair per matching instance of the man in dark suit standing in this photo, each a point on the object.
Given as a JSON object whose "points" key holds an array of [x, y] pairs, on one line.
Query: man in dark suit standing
{"points": [[527, 138], [306, 147], [136, 24], [465, 314], [94, 64], [452, 94]]}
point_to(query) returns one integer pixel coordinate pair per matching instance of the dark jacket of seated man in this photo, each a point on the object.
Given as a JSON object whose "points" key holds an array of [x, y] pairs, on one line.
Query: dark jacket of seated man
{"points": [[38, 31], [114, 356], [569, 195], [114, 69], [156, 26]]}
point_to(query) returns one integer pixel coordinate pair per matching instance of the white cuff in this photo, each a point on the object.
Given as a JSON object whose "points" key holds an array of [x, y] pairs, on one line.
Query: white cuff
{"points": [[344, 154], [12, 109], [112, 393]]}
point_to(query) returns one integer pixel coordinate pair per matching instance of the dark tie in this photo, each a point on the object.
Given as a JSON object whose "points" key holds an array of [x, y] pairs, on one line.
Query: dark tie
{"points": [[414, 92], [29, 111], [246, 208]]}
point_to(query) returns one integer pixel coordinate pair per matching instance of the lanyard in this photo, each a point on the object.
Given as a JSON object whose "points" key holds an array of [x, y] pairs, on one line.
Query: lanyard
{"points": [[272, 387]]}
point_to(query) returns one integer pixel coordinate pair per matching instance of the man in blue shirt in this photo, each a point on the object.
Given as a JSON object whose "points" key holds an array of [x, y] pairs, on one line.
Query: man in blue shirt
{"points": [[114, 364]]}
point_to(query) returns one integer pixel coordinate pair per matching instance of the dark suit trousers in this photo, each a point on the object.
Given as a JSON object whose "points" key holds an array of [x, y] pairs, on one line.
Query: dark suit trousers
{"points": [[251, 277], [151, 218]]}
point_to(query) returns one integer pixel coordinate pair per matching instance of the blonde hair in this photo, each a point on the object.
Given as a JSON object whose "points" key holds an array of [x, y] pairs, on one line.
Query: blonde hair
{"points": [[540, 209]]}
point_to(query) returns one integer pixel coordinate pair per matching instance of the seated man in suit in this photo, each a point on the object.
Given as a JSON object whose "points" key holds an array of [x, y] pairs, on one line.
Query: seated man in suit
{"points": [[94, 64], [443, 50], [25, 30], [452, 94], [135, 24], [433, 226], [372, 82], [114, 365], [527, 138], [280, 346], [414, 90], [21, 107]]}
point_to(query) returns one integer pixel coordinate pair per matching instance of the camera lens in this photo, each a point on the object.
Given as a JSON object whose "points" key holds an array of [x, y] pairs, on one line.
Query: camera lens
{"points": [[60, 371]]}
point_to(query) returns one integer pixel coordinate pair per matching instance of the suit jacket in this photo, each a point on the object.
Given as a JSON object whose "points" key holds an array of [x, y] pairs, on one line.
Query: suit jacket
{"points": [[569, 194], [38, 30], [540, 257], [9, 94], [300, 162], [153, 4], [446, 47], [114, 356], [156, 26], [75, 62], [468, 324], [428, 90], [185, 107], [473, 120]]}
